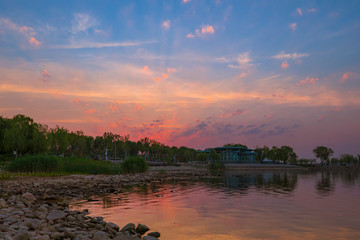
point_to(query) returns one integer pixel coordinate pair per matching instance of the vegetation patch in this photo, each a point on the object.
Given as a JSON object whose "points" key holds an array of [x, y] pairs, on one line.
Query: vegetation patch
{"points": [[54, 164], [134, 164]]}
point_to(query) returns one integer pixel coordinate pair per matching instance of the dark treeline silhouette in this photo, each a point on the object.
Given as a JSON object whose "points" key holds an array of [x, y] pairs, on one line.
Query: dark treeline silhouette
{"points": [[21, 136]]}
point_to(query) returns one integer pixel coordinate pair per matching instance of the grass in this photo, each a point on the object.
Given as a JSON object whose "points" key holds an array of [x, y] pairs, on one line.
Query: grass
{"points": [[53, 165], [134, 165]]}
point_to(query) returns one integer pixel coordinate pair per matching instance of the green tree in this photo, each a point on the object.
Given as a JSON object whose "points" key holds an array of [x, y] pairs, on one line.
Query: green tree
{"points": [[201, 157], [262, 153], [235, 145], [323, 153]]}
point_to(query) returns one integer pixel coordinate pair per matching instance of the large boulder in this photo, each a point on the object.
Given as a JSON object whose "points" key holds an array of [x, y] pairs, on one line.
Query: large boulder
{"points": [[149, 238], [112, 226], [142, 229], [130, 227]]}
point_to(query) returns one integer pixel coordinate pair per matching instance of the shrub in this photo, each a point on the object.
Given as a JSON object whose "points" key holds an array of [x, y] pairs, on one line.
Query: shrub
{"points": [[54, 164], [216, 166], [134, 165]]}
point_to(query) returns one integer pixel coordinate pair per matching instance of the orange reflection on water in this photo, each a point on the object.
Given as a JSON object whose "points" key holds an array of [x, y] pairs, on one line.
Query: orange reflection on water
{"points": [[241, 206]]}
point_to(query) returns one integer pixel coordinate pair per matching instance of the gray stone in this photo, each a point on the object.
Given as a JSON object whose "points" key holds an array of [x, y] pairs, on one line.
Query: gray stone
{"points": [[57, 235], [21, 236], [100, 235], [149, 238], [130, 227], [154, 234], [29, 197], [124, 237], [112, 226], [142, 229], [55, 215], [3, 203]]}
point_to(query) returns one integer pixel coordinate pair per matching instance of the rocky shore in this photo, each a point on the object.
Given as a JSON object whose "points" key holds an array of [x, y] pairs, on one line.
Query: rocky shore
{"points": [[38, 208]]}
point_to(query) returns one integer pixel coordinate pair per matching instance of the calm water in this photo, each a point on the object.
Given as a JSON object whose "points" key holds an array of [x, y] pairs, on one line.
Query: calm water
{"points": [[323, 205]]}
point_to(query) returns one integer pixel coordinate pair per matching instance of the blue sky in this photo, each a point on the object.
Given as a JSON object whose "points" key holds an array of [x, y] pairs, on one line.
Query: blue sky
{"points": [[194, 73]]}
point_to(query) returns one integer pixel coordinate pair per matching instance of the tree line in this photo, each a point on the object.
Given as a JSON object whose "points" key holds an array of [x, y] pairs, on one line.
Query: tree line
{"points": [[20, 136]]}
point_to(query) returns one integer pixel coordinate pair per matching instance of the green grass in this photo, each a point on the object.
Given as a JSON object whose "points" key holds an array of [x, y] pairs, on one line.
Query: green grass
{"points": [[134, 165], [53, 165]]}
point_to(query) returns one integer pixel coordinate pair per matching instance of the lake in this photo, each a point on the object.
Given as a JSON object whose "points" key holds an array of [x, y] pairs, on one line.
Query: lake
{"points": [[239, 205]]}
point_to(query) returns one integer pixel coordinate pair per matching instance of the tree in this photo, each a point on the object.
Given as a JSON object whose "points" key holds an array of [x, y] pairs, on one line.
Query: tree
{"points": [[235, 145], [214, 156], [323, 153], [262, 153], [201, 157]]}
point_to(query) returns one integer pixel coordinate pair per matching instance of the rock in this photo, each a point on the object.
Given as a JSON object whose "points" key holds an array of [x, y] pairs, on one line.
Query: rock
{"points": [[55, 215], [149, 238], [142, 229], [57, 235], [48, 194], [3, 203], [124, 237], [112, 226], [21, 236], [41, 237], [100, 235], [154, 234], [130, 227], [29, 197]]}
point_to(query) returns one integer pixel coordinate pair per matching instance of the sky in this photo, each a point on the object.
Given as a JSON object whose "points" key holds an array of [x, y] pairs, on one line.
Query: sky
{"points": [[187, 72]]}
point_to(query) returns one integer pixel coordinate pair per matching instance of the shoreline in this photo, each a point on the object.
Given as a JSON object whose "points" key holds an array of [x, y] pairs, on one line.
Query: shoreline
{"points": [[37, 208]]}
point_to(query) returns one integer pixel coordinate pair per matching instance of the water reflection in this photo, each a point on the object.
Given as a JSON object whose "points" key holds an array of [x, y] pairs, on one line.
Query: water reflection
{"points": [[269, 205]]}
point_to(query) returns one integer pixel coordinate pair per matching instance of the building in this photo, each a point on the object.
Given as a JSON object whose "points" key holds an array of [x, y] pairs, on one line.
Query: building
{"points": [[234, 154]]}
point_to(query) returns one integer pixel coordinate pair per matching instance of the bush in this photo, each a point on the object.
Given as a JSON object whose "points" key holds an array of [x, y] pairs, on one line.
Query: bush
{"points": [[134, 165], [216, 166], [51, 164]]}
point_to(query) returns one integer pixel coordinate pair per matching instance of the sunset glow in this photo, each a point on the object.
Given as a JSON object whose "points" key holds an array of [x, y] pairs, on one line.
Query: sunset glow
{"points": [[192, 73]]}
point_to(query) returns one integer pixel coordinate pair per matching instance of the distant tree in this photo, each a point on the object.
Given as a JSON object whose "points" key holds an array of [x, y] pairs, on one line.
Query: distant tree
{"points": [[214, 156], [262, 153], [348, 159], [323, 153], [235, 145], [201, 157], [286, 154]]}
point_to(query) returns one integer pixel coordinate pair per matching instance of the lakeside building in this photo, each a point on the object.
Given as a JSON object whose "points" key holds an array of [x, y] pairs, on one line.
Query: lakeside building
{"points": [[234, 154]]}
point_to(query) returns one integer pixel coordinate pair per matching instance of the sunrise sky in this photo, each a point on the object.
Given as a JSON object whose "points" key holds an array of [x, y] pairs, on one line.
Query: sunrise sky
{"points": [[187, 72]]}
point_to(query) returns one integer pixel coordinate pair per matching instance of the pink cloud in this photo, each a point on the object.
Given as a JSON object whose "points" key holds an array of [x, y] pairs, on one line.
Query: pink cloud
{"points": [[186, 1], [208, 29], [311, 10], [190, 35], [284, 64], [242, 75], [146, 70], [90, 111], [34, 42], [171, 70], [307, 81], [299, 11], [166, 24], [138, 107], [45, 74], [113, 107], [163, 77], [293, 26], [345, 77]]}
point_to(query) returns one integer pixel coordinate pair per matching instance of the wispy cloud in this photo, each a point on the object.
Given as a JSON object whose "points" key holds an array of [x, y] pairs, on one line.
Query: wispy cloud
{"points": [[82, 22], [307, 81], [26, 31], [284, 64], [78, 45], [166, 24], [294, 56], [203, 31], [311, 10], [243, 61], [299, 11], [345, 77], [293, 26]]}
